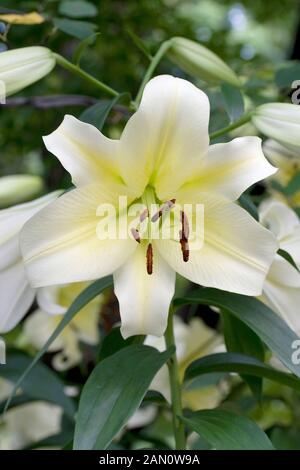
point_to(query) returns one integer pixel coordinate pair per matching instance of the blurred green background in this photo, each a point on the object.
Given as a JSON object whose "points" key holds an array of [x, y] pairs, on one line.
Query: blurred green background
{"points": [[254, 37]]}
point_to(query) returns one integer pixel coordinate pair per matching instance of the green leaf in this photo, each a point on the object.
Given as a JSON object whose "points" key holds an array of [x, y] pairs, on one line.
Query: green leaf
{"points": [[83, 299], [271, 329], [18, 400], [284, 254], [285, 76], [297, 210], [113, 392], [156, 398], [43, 384], [240, 364], [246, 203], [77, 9], [77, 29], [225, 430], [293, 185], [82, 46], [114, 342], [246, 342], [286, 439], [233, 101], [139, 43], [98, 113]]}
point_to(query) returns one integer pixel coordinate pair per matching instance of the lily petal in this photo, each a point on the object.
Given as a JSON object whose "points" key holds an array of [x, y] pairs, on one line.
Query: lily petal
{"points": [[16, 296], [283, 273], [281, 292], [278, 217], [164, 141], [61, 245], [230, 168], [236, 253], [284, 223], [47, 299], [144, 299], [83, 151], [11, 222]]}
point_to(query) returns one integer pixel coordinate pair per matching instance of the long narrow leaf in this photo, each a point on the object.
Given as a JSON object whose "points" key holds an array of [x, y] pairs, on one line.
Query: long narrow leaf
{"points": [[271, 329], [113, 392], [240, 364], [83, 299]]}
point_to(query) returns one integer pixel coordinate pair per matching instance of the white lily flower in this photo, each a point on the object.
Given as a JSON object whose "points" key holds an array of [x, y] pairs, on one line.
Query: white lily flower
{"points": [[20, 68], [16, 294], [28, 423], [279, 121], [281, 290], [53, 303], [19, 188], [163, 154]]}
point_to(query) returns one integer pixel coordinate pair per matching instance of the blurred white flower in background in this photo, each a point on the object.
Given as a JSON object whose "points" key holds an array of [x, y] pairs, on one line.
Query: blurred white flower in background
{"points": [[281, 290], [193, 340], [16, 293], [287, 161], [28, 423], [53, 302], [15, 189]]}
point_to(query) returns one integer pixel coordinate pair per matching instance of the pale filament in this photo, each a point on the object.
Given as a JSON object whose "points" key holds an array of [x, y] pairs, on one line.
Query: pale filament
{"points": [[183, 233]]}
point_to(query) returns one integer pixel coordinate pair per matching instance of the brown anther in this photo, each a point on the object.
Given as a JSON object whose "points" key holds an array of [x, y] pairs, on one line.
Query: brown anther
{"points": [[149, 257], [184, 236], [136, 235], [166, 206], [144, 215], [185, 250], [185, 229]]}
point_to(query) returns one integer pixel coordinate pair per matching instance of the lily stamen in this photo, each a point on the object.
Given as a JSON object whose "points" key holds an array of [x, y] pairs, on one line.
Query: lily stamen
{"points": [[184, 236], [136, 235], [149, 257], [166, 206], [144, 215]]}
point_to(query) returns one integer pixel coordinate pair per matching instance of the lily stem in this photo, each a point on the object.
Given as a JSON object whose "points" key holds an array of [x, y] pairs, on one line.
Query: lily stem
{"points": [[175, 388], [75, 69], [152, 66], [234, 125]]}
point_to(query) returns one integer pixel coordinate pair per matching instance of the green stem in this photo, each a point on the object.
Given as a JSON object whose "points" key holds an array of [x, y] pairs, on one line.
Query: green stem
{"points": [[152, 66], [234, 125], [86, 76], [175, 387]]}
